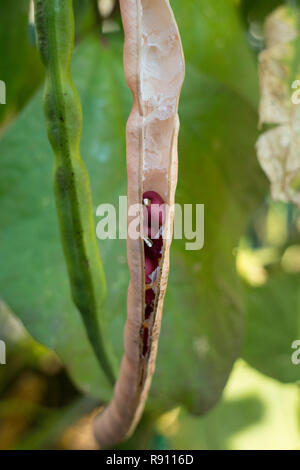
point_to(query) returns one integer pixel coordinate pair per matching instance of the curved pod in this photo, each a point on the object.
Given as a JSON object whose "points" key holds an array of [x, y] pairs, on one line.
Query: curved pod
{"points": [[54, 22], [154, 70]]}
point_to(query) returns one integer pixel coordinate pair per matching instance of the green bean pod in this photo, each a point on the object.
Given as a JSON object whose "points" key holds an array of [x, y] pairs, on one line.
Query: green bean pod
{"points": [[54, 21]]}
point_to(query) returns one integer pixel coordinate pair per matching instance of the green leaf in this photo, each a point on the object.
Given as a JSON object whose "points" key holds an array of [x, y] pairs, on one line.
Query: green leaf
{"points": [[20, 65], [204, 316], [247, 418], [274, 324], [218, 47]]}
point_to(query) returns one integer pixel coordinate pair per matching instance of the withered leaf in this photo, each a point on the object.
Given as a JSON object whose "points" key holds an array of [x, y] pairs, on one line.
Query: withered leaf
{"points": [[279, 70]]}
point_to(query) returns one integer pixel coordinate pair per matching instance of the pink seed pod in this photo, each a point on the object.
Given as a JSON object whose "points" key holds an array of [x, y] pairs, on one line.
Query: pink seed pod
{"points": [[151, 131]]}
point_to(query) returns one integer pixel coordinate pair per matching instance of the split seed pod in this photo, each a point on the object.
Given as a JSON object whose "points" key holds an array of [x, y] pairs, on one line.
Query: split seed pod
{"points": [[154, 70]]}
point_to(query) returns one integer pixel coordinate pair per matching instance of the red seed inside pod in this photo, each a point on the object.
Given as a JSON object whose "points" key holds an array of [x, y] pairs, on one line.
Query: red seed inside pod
{"points": [[145, 341], [150, 296], [154, 217], [156, 209], [148, 311], [150, 267], [155, 251]]}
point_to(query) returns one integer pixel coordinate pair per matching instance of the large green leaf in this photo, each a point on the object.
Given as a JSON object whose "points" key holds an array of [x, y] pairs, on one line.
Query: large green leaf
{"points": [[204, 316], [247, 418], [274, 324], [20, 65], [215, 43]]}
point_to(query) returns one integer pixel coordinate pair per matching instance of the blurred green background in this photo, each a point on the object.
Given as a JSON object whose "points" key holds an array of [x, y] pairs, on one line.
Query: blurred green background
{"points": [[232, 310]]}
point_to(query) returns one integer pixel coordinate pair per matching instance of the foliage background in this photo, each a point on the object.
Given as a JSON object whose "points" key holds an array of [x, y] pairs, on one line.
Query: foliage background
{"points": [[237, 299]]}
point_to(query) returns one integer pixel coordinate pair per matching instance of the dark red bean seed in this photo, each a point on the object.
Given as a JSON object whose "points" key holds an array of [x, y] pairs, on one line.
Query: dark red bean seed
{"points": [[155, 251], [154, 217], [150, 267], [154, 197], [150, 296], [156, 208], [148, 311], [145, 341]]}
